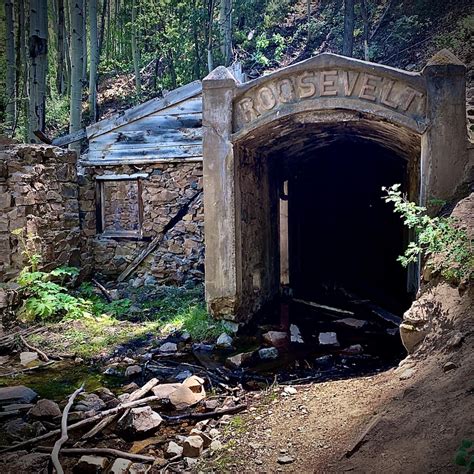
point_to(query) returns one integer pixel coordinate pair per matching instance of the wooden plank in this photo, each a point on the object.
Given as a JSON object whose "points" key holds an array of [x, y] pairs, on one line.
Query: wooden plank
{"points": [[141, 161], [181, 151], [162, 122], [142, 110], [189, 106], [177, 136], [70, 138], [120, 177]]}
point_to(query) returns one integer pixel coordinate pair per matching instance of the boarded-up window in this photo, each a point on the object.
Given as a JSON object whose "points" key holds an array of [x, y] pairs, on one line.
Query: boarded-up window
{"points": [[120, 206]]}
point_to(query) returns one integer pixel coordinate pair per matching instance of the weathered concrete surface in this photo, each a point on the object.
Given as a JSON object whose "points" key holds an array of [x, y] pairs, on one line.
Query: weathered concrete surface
{"points": [[291, 113]]}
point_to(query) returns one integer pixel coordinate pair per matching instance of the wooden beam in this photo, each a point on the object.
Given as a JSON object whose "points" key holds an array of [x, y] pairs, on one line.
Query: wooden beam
{"points": [[70, 138]]}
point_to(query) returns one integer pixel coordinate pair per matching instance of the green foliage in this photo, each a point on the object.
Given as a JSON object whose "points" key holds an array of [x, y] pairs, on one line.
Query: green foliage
{"points": [[465, 455], [57, 111], [440, 240], [460, 36], [99, 307]]}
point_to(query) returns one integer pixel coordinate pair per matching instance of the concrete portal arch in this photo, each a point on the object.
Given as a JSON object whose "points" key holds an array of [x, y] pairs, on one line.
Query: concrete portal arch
{"points": [[307, 106]]}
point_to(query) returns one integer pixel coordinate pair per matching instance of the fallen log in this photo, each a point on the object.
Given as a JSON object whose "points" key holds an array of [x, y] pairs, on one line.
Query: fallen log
{"points": [[205, 416], [105, 451], [29, 369], [64, 435], [81, 423]]}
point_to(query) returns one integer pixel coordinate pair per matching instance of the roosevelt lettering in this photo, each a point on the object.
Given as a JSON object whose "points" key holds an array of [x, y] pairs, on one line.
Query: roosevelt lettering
{"points": [[326, 84]]}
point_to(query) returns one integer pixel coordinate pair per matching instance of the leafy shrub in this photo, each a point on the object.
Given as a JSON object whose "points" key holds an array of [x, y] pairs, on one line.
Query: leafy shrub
{"points": [[440, 240], [465, 455]]}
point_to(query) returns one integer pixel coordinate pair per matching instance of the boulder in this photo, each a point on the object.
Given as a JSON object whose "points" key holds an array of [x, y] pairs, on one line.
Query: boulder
{"points": [[45, 409], [29, 359], [18, 394], [168, 347], [239, 360], [328, 339], [120, 466], [224, 341], [133, 371], [277, 339], [130, 388], [184, 397], [412, 335], [91, 465], [19, 429], [295, 334], [165, 390], [173, 449], [268, 353], [193, 446], [140, 421], [89, 402]]}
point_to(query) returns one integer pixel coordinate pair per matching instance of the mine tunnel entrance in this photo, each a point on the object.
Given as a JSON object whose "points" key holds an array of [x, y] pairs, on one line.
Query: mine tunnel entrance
{"points": [[341, 234]]}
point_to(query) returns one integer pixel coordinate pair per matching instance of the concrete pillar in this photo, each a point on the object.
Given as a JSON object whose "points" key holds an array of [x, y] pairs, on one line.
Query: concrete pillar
{"points": [[444, 144], [221, 224]]}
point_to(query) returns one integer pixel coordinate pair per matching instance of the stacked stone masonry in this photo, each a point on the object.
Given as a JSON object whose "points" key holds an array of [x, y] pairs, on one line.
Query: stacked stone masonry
{"points": [[38, 193]]}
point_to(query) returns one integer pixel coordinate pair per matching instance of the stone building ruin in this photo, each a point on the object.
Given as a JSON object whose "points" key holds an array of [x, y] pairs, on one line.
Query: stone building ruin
{"points": [[280, 176]]}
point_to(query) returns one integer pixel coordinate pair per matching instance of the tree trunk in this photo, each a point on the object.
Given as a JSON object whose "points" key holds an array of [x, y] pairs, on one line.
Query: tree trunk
{"points": [[84, 42], [308, 18], [225, 24], [67, 46], [61, 41], [77, 59], [210, 62], [135, 50], [365, 34], [348, 43], [38, 54], [94, 60], [10, 116], [102, 25]]}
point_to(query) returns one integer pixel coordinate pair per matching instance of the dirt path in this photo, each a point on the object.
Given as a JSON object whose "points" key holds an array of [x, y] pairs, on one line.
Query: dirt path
{"points": [[413, 417]]}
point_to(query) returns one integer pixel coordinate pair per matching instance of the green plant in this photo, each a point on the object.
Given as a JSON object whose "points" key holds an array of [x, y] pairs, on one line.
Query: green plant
{"points": [[99, 306], [440, 240], [465, 455], [44, 295]]}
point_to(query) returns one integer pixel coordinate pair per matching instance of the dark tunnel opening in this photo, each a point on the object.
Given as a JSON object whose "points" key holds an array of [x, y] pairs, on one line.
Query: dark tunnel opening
{"points": [[341, 234]]}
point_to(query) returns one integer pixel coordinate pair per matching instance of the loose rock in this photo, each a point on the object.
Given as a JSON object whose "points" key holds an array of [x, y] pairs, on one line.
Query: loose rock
{"points": [[168, 347], [18, 394], [91, 465], [295, 334], [224, 341], [352, 322], [90, 402], [268, 353], [133, 371], [328, 339], [239, 360], [449, 366], [173, 450], [276, 338], [120, 466], [45, 409], [29, 359], [140, 421], [193, 446], [285, 460]]}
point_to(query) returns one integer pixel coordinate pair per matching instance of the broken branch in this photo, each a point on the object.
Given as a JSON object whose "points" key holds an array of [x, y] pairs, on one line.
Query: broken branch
{"points": [[41, 354], [64, 435], [204, 416], [105, 451]]}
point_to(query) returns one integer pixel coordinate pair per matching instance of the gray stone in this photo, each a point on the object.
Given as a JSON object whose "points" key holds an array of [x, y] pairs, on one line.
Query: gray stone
{"points": [[168, 347], [412, 336], [141, 420], [18, 429], [18, 394], [91, 465], [89, 402], [173, 449], [354, 349], [183, 375], [224, 341], [120, 466], [276, 338], [29, 359], [268, 353], [129, 388], [206, 439], [295, 334], [231, 326], [164, 390], [139, 468], [407, 374], [133, 371], [45, 409], [328, 339], [23, 463], [285, 460], [239, 360], [215, 445], [193, 446]]}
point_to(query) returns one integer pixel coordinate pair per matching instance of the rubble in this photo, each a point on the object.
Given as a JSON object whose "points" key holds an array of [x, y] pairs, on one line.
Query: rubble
{"points": [[91, 465], [140, 421], [168, 347], [295, 334], [29, 359], [193, 446], [173, 450], [276, 339], [268, 353], [239, 360], [45, 409], [328, 339], [224, 341], [120, 466], [133, 371]]}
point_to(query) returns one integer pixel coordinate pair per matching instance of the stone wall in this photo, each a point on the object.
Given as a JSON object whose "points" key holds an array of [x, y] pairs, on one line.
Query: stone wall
{"points": [[167, 190], [38, 193]]}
